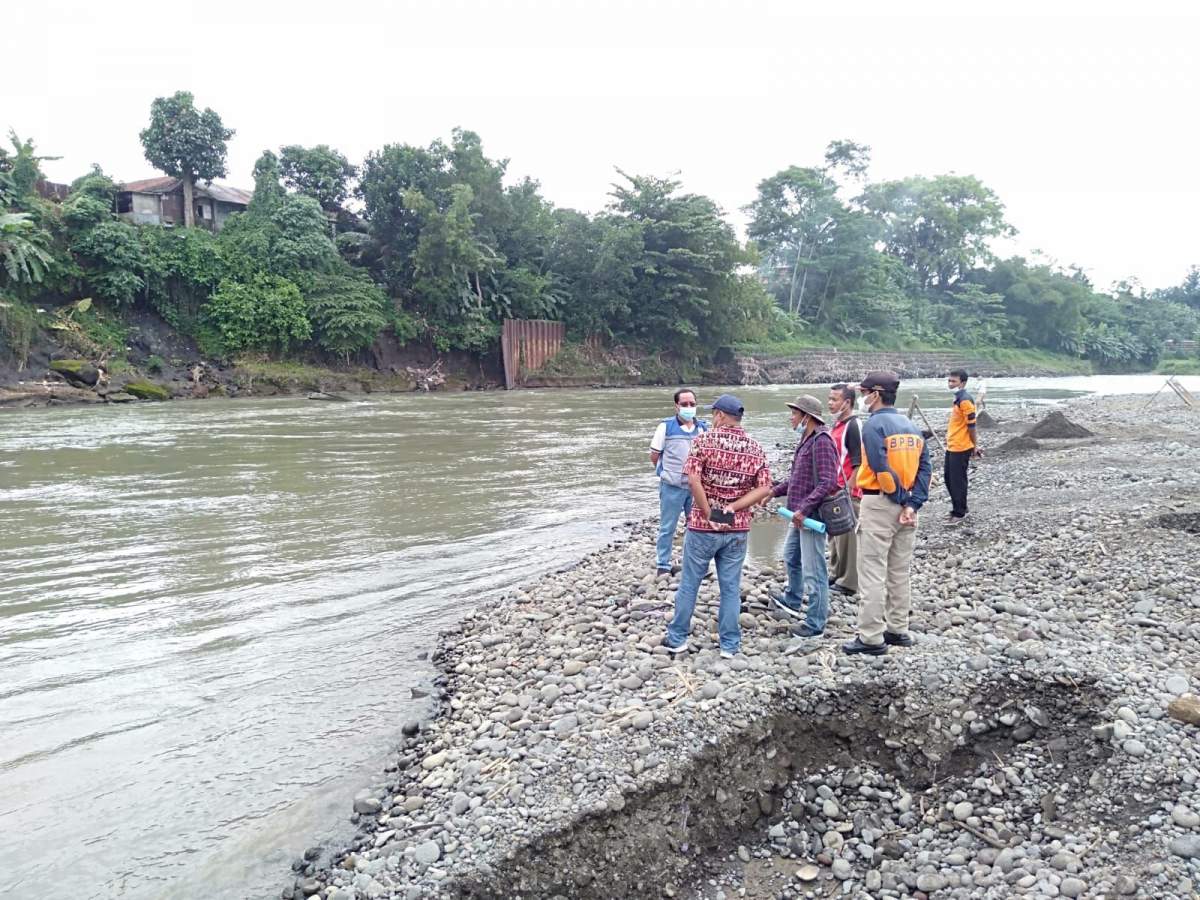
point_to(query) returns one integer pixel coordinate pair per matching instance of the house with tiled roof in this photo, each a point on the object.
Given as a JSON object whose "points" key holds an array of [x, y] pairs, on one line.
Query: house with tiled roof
{"points": [[159, 201]]}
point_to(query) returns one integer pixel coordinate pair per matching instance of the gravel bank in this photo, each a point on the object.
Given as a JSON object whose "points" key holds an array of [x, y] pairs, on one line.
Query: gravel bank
{"points": [[1039, 740]]}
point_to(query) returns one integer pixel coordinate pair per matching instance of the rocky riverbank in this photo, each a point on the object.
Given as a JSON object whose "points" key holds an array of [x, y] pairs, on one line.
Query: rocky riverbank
{"points": [[1042, 738]]}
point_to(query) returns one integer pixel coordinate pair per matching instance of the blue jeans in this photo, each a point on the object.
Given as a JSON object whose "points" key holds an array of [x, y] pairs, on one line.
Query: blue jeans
{"points": [[804, 555], [728, 548], [672, 501]]}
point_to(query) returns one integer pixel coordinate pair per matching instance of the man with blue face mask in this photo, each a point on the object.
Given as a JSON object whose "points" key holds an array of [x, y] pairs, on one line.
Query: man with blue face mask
{"points": [[668, 452], [814, 477]]}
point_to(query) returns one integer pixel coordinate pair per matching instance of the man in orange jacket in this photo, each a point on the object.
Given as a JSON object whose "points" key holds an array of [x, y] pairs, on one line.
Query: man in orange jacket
{"points": [[894, 477], [961, 444]]}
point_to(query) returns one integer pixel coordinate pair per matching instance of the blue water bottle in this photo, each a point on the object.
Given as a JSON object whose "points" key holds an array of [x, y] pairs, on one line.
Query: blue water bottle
{"points": [[810, 524]]}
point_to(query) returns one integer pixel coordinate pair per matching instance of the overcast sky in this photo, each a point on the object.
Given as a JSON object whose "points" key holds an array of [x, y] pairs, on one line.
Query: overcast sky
{"points": [[1085, 122]]}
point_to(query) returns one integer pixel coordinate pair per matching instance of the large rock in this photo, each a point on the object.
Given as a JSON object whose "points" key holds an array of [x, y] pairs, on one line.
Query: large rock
{"points": [[1185, 708], [77, 371], [147, 390]]}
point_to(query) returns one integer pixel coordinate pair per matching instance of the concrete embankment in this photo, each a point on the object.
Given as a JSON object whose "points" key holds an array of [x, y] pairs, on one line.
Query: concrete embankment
{"points": [[1041, 738]]}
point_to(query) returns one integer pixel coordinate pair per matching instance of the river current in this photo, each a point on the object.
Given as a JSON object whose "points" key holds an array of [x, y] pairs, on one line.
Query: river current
{"points": [[213, 614]]}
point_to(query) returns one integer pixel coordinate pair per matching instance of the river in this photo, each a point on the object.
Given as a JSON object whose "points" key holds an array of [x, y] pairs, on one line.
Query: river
{"points": [[213, 614]]}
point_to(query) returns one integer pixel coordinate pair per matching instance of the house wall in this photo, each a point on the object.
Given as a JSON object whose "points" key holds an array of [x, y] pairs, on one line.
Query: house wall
{"points": [[172, 208], [224, 211]]}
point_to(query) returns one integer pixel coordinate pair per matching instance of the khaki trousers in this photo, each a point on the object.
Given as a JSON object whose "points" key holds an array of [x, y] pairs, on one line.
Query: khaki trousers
{"points": [[843, 555], [885, 550]]}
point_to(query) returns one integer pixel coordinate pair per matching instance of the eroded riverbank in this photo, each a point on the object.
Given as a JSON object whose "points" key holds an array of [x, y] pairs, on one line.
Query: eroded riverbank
{"points": [[1024, 745]]}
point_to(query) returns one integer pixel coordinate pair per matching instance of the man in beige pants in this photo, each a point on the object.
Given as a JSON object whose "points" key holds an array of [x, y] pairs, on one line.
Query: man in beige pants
{"points": [[894, 477]]}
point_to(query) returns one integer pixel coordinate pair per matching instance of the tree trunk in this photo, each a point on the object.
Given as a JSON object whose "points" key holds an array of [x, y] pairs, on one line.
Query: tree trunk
{"points": [[795, 267], [189, 213], [804, 281]]}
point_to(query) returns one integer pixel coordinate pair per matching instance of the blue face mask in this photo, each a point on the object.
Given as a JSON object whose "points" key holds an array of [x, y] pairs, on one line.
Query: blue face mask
{"points": [[687, 413], [799, 429]]}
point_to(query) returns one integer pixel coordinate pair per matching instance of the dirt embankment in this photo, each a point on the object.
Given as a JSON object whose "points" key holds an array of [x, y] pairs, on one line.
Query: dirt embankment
{"points": [[158, 363]]}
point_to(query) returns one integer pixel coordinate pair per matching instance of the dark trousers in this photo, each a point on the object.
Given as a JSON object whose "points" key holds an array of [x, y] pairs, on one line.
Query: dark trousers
{"points": [[956, 480]]}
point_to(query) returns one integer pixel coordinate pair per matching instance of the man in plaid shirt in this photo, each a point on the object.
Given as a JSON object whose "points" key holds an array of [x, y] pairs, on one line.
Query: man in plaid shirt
{"points": [[813, 478], [727, 474]]}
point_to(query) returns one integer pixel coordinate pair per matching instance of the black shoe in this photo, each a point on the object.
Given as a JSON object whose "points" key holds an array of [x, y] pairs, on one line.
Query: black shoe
{"points": [[897, 640], [841, 589], [805, 631], [832, 582], [662, 571], [857, 646]]}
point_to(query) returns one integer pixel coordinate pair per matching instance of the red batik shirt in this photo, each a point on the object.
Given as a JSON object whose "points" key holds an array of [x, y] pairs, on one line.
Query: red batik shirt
{"points": [[730, 464]]}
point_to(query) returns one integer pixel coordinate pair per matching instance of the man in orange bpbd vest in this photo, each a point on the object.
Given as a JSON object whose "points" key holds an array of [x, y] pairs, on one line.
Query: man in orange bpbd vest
{"points": [[961, 444], [894, 477]]}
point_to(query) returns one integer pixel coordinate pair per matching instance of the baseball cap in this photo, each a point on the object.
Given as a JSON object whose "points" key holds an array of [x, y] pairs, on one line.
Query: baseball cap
{"points": [[727, 403], [881, 381]]}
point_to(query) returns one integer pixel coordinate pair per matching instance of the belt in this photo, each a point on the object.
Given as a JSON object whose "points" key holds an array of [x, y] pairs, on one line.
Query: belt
{"points": [[871, 492]]}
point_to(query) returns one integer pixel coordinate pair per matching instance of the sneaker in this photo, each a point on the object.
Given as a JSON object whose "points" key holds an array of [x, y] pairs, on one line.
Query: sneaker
{"points": [[728, 654], [897, 640], [662, 571], [682, 648], [857, 646], [842, 589], [806, 631], [788, 610]]}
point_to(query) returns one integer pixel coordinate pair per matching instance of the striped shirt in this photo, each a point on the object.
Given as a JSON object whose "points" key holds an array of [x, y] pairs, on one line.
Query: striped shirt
{"points": [[730, 464]]}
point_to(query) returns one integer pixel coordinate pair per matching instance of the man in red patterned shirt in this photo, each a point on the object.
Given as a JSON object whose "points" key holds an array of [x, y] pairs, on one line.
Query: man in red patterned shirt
{"points": [[728, 474]]}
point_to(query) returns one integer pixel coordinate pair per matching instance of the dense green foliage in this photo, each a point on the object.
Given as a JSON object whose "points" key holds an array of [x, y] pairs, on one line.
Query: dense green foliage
{"points": [[319, 172], [911, 261], [265, 314], [445, 246]]}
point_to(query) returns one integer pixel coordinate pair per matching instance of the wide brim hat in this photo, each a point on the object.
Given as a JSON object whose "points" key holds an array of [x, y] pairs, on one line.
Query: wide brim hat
{"points": [[810, 406]]}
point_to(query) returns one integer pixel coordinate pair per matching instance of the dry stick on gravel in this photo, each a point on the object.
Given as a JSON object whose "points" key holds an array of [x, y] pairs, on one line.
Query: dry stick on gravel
{"points": [[987, 839]]}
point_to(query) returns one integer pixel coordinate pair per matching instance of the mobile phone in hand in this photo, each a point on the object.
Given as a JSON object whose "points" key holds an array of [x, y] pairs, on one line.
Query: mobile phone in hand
{"points": [[720, 516]]}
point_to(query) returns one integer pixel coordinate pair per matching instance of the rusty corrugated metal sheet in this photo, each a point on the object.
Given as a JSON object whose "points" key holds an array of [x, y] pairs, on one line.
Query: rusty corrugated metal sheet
{"points": [[527, 345]]}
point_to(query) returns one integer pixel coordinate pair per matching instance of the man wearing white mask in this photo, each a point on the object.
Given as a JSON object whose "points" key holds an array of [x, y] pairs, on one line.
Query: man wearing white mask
{"points": [[668, 452]]}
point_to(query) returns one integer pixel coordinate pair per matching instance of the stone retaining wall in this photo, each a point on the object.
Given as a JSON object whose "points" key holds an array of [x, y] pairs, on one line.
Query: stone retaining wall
{"points": [[829, 364]]}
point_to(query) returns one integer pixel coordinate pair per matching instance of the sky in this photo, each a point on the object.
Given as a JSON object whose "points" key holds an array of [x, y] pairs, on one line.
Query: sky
{"points": [[1082, 117]]}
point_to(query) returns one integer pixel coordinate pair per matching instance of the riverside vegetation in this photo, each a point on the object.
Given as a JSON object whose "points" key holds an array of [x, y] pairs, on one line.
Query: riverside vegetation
{"points": [[429, 248], [1041, 738]]}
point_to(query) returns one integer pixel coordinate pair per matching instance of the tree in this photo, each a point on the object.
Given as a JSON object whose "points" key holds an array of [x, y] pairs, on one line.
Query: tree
{"points": [[22, 168], [347, 310], [112, 260], [279, 233], [940, 227], [681, 275], [319, 172], [791, 214], [595, 259], [265, 314], [186, 143]]}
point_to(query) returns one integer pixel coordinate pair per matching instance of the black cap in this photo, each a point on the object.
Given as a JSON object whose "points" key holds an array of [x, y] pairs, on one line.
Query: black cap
{"points": [[881, 381]]}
